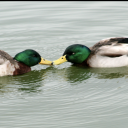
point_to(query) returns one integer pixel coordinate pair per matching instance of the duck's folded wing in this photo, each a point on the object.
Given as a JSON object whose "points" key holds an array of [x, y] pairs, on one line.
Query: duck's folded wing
{"points": [[112, 47], [5, 57], [113, 51], [2, 60]]}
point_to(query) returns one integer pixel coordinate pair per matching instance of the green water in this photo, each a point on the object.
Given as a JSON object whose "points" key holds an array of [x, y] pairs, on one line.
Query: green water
{"points": [[62, 96]]}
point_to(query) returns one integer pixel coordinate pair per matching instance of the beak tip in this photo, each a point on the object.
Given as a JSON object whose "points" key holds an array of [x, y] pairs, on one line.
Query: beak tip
{"points": [[52, 63]]}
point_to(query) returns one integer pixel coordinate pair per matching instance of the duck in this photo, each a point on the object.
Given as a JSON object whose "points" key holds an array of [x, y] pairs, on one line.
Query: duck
{"points": [[21, 63], [107, 53]]}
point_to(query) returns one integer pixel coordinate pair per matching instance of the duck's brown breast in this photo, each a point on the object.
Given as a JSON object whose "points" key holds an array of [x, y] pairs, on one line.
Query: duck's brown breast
{"points": [[21, 69]]}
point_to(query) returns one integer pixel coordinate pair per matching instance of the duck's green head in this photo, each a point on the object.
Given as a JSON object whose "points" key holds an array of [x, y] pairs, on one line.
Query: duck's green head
{"points": [[75, 53], [31, 58]]}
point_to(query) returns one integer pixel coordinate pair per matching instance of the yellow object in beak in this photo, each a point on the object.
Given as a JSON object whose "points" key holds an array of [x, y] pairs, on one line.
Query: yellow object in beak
{"points": [[60, 60], [45, 62]]}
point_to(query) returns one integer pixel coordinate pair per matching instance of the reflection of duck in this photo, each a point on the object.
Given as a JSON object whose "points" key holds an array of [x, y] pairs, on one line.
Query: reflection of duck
{"points": [[109, 73], [21, 63], [75, 74], [112, 52], [29, 82], [36, 79]]}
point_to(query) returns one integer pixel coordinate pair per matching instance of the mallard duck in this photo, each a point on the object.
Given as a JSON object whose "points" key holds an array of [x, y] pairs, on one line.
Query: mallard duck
{"points": [[111, 52], [21, 63]]}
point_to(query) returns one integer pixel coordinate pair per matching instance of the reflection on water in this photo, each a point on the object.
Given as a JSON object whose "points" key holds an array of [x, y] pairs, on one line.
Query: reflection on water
{"points": [[110, 73], [32, 81], [75, 74], [29, 82]]}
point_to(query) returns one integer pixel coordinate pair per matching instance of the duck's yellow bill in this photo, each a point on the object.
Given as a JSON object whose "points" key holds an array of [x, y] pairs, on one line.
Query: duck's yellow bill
{"points": [[60, 60], [45, 62]]}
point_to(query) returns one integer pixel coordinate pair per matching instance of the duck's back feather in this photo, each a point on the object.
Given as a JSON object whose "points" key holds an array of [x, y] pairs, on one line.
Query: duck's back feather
{"points": [[4, 56]]}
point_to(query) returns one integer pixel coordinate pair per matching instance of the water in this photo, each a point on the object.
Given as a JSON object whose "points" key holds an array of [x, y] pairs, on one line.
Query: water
{"points": [[62, 96]]}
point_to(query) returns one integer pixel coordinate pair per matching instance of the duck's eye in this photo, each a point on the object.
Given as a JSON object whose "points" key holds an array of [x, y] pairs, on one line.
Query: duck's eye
{"points": [[34, 55], [71, 53]]}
